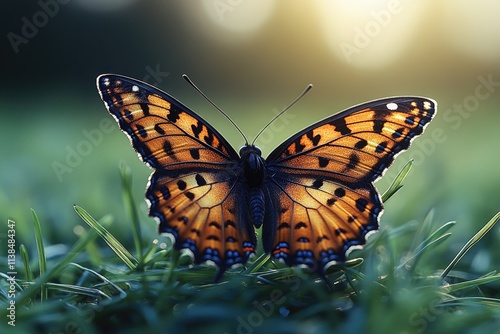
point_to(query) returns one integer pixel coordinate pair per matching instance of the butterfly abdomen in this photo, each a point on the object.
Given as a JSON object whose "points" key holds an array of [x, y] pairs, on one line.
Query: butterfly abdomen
{"points": [[257, 206], [254, 171]]}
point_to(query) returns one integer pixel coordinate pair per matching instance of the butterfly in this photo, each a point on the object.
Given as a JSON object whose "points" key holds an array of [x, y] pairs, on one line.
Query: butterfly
{"points": [[313, 195]]}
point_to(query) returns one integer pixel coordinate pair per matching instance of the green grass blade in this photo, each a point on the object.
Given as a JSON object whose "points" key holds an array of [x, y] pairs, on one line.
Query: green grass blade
{"points": [[493, 303], [112, 242], [131, 207], [471, 284], [28, 273], [436, 237], [42, 259], [78, 290], [438, 234], [101, 277], [472, 241], [422, 247], [257, 264], [30, 292], [423, 231], [397, 183]]}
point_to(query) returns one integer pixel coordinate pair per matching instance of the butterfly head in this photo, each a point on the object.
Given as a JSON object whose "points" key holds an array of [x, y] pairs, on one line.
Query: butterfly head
{"points": [[249, 149], [251, 156]]}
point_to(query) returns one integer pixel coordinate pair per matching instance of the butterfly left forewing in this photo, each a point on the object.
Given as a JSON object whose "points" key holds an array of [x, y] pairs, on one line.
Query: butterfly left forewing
{"points": [[164, 132], [322, 178]]}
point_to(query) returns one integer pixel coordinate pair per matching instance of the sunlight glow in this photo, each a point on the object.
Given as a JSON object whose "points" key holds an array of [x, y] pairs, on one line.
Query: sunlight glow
{"points": [[239, 15], [369, 34], [473, 28]]}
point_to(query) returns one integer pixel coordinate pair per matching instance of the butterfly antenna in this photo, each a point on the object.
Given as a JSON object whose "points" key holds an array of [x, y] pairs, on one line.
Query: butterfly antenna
{"points": [[215, 106], [307, 89]]}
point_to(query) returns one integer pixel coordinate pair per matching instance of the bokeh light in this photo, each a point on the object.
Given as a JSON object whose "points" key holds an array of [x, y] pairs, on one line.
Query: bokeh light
{"points": [[370, 34], [473, 28]]}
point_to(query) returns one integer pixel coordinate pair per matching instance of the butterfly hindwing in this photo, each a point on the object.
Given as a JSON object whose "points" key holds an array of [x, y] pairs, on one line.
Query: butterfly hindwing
{"points": [[320, 220], [324, 174], [202, 211], [194, 192]]}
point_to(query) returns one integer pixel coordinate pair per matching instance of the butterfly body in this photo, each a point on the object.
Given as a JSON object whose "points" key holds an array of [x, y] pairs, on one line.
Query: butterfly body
{"points": [[313, 196]]}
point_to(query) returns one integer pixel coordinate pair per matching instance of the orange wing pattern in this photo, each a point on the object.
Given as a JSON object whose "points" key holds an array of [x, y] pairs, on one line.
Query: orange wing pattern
{"points": [[322, 179], [314, 194], [195, 187]]}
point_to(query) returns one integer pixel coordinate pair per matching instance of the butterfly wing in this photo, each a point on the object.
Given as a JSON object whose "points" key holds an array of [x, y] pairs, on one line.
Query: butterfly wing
{"points": [[196, 183], [322, 179]]}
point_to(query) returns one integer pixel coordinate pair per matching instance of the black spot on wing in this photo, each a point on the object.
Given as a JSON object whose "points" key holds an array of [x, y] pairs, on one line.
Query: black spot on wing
{"points": [[214, 224], [283, 225], [228, 223], [142, 132], [398, 133], [298, 146], [300, 225], [197, 129], [381, 147], [173, 115], [195, 153], [128, 115], [167, 147], [341, 126], [323, 162], [165, 192], [353, 161], [314, 139], [181, 185], [361, 204], [209, 139], [410, 120], [361, 144], [318, 183], [144, 108], [159, 129], [200, 180], [339, 192], [378, 126]]}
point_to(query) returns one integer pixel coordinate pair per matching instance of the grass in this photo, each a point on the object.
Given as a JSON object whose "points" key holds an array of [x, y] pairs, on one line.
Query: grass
{"points": [[385, 288]]}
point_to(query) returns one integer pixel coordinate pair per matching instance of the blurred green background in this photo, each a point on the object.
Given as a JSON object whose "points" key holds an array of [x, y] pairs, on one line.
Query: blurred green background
{"points": [[59, 146]]}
